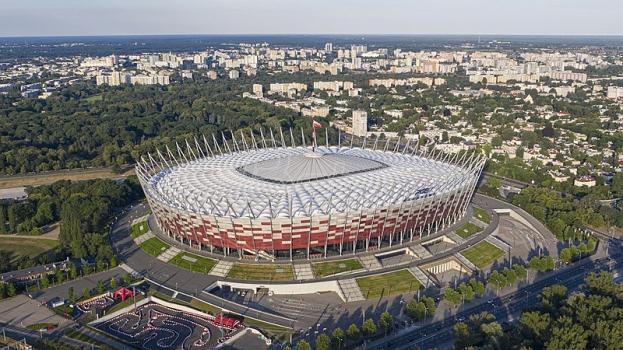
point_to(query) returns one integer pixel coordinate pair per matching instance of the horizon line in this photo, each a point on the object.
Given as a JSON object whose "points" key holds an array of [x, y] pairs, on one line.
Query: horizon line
{"points": [[309, 34]]}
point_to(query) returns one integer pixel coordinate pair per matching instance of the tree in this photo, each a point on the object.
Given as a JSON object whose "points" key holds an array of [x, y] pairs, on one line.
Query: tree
{"points": [[303, 345], [534, 326], [337, 337], [368, 327], [353, 332], [59, 276], [73, 271], [478, 287], [323, 342], [44, 281], [70, 294], [11, 291], [100, 287], [86, 293], [452, 296], [86, 269], [386, 322], [416, 310], [113, 283]]}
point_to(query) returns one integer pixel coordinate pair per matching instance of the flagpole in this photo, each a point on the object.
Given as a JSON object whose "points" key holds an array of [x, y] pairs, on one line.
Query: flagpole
{"points": [[314, 135]]}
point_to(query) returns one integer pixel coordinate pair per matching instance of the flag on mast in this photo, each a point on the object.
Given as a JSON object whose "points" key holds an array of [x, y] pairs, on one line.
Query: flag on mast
{"points": [[315, 125]]}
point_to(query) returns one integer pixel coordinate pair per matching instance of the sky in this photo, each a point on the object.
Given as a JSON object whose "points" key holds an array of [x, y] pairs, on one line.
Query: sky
{"points": [[138, 17]]}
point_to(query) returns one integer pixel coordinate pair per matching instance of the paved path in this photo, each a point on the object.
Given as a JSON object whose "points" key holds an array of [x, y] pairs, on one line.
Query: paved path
{"points": [[498, 243], [303, 271], [370, 262], [420, 251], [142, 238], [351, 290], [421, 276], [465, 261], [456, 238], [221, 269], [169, 254]]}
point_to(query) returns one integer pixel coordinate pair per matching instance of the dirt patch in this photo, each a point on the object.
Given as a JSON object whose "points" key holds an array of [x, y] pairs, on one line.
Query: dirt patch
{"points": [[53, 176]]}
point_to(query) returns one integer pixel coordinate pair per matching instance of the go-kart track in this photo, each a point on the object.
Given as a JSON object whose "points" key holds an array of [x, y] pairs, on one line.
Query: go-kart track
{"points": [[154, 326]]}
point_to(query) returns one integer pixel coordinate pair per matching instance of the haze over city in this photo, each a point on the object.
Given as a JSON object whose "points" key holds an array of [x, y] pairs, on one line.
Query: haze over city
{"points": [[151, 17]]}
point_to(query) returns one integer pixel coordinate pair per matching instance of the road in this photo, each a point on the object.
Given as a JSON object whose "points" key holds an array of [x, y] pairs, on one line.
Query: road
{"points": [[506, 308], [34, 336]]}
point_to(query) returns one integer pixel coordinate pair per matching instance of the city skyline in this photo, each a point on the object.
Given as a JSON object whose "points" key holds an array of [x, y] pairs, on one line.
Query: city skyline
{"points": [[76, 18]]}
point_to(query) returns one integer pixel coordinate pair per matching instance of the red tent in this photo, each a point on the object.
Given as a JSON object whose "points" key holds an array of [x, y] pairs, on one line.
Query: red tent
{"points": [[123, 293], [226, 322]]}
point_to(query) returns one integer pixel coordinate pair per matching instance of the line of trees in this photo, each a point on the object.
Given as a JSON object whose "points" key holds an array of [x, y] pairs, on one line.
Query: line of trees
{"points": [[588, 319]]}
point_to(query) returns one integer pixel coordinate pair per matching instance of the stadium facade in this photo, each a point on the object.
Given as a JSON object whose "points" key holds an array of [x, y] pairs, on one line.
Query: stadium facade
{"points": [[255, 196]]}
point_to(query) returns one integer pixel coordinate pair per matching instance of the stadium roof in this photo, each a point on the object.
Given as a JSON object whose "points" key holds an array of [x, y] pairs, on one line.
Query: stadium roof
{"points": [[287, 181]]}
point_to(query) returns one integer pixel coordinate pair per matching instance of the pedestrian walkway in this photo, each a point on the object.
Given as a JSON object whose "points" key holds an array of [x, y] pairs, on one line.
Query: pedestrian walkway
{"points": [[351, 290], [420, 251], [222, 268], [127, 269], [370, 262], [465, 262], [169, 254], [498, 243], [141, 219], [142, 238], [456, 238], [421, 276], [303, 271]]}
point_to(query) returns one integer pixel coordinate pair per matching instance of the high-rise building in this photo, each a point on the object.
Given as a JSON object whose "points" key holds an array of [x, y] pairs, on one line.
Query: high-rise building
{"points": [[328, 47], [258, 90], [360, 123]]}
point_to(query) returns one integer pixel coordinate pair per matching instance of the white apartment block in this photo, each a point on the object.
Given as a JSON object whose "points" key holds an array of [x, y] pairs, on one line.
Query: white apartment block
{"points": [[360, 123]]}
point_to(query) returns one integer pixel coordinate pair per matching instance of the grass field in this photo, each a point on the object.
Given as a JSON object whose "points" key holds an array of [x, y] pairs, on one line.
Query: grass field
{"points": [[482, 215], [398, 282], [332, 267], [49, 177], [200, 263], [482, 254], [261, 272], [467, 230], [22, 246], [154, 246], [139, 229]]}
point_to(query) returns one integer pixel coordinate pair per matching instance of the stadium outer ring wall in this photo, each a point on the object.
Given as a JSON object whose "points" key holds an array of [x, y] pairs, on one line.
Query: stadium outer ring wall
{"points": [[311, 237]]}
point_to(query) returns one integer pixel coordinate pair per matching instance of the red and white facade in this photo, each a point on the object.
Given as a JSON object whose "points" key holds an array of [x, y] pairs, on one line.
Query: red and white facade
{"points": [[246, 198]]}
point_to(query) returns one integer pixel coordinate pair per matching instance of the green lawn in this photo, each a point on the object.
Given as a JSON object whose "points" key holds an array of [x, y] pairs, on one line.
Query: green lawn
{"points": [[154, 246], [139, 229], [26, 246], [193, 262], [483, 254], [261, 272], [398, 282], [467, 230], [332, 267], [482, 215], [75, 334]]}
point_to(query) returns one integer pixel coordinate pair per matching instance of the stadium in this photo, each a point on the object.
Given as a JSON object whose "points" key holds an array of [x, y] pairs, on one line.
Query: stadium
{"points": [[257, 197]]}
